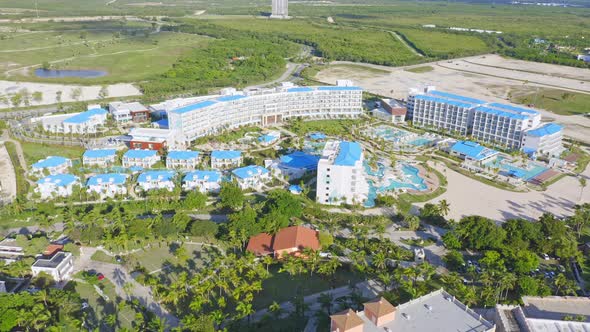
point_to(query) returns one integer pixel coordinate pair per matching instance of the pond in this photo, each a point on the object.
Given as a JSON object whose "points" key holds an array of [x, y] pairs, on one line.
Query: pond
{"points": [[59, 73]]}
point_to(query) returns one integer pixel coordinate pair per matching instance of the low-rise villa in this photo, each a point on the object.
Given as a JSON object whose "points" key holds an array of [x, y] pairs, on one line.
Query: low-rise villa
{"points": [[156, 180], [107, 185], [251, 177], [203, 181], [224, 159], [140, 158], [59, 185], [185, 160], [99, 157], [52, 165]]}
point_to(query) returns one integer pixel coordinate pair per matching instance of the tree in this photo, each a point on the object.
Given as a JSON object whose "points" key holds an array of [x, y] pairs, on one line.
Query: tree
{"points": [[454, 260], [38, 96], [444, 207], [412, 222], [195, 200], [181, 221], [205, 228], [16, 99], [451, 241], [525, 261], [231, 196], [76, 93], [583, 183], [580, 219], [478, 232], [326, 239], [104, 92], [326, 300], [46, 65]]}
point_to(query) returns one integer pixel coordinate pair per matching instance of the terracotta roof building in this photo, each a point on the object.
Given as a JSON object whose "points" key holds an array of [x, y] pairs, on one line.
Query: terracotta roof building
{"points": [[379, 311], [347, 321], [290, 240]]}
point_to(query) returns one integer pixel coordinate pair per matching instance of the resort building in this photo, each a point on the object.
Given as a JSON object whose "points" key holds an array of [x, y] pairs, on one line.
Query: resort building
{"points": [[140, 158], [224, 159], [149, 138], [60, 185], [391, 110], [545, 314], [545, 140], [437, 311], [59, 266], [280, 9], [107, 185], [340, 177], [185, 160], [251, 177], [88, 122], [129, 112], [296, 164], [500, 124], [473, 152], [203, 181], [156, 180], [51, 165], [10, 251], [101, 157], [287, 241], [269, 138], [262, 108]]}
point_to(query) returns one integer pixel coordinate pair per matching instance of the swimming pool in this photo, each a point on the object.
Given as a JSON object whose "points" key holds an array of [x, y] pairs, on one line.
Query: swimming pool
{"points": [[532, 170], [414, 181], [420, 142], [389, 133]]}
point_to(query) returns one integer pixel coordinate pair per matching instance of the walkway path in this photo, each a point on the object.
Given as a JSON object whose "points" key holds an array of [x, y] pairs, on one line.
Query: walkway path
{"points": [[410, 47], [7, 177]]}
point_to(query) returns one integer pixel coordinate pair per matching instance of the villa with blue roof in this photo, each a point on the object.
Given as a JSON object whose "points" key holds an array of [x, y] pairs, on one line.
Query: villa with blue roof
{"points": [[99, 157], [545, 140], [473, 152], [87, 122], [296, 164], [224, 159], [140, 158], [341, 178], [251, 177], [59, 185], [203, 181], [51, 165], [107, 185], [151, 180], [263, 107], [185, 159]]}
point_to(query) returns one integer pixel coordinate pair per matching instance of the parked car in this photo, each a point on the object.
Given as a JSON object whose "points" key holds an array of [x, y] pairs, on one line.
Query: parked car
{"points": [[100, 276], [545, 257]]}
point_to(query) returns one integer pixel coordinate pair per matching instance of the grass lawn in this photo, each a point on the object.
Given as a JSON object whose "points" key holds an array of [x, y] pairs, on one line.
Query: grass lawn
{"points": [[102, 257], [35, 151], [436, 43], [159, 255], [420, 70], [101, 308], [554, 100], [282, 287]]}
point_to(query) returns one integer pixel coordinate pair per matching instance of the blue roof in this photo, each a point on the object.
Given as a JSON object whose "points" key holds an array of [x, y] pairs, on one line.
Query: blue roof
{"points": [[163, 123], [100, 153], [226, 154], [140, 154], [266, 138], [300, 89], [445, 101], [349, 154], [295, 188], [547, 129], [299, 159], [513, 108], [456, 97], [498, 112], [111, 178], [136, 168], [339, 88], [155, 175], [249, 171], [51, 161], [192, 107], [182, 155], [209, 176], [230, 98], [60, 180], [85, 116], [473, 150], [317, 136]]}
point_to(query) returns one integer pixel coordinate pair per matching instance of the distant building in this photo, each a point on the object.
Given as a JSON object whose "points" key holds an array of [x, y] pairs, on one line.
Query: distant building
{"points": [[185, 160], [584, 57], [140, 158], [251, 177], [10, 251], [280, 9], [223, 159], [129, 112], [437, 311], [88, 122], [60, 266], [52, 165], [473, 152], [391, 110], [203, 181], [101, 157], [297, 164], [544, 140], [156, 180], [107, 185], [545, 314], [340, 177], [60, 185], [287, 241], [149, 138]]}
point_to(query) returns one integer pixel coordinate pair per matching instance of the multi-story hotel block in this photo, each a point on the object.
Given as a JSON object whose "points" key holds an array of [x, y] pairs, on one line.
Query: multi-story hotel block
{"points": [[544, 140], [186, 160], [496, 123], [340, 177], [262, 107], [88, 122]]}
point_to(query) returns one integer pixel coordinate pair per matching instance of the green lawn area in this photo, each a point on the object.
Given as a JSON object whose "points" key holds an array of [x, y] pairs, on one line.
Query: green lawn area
{"points": [[281, 287], [102, 257], [421, 69], [159, 254], [359, 68], [35, 151], [554, 100], [101, 308], [22, 186], [441, 44]]}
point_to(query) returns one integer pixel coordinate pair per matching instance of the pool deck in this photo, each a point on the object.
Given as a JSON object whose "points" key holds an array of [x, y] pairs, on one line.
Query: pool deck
{"points": [[430, 179]]}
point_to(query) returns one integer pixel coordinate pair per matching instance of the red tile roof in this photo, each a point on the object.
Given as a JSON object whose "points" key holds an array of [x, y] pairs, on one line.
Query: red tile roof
{"points": [[260, 244], [296, 237], [347, 320], [52, 249], [399, 111]]}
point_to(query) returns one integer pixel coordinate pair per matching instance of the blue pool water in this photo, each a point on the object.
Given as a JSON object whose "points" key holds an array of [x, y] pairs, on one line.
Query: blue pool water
{"points": [[389, 133], [523, 173], [411, 174], [420, 142], [58, 73]]}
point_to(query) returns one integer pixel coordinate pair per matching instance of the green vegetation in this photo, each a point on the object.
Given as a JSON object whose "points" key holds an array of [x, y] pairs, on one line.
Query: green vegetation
{"points": [[34, 151], [443, 45], [22, 186], [329, 127], [421, 69], [557, 101]]}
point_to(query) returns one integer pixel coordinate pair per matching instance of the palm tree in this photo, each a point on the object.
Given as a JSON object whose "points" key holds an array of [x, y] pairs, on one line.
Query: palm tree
{"points": [[275, 309], [444, 207], [267, 260], [582, 186], [245, 310], [379, 260], [326, 300]]}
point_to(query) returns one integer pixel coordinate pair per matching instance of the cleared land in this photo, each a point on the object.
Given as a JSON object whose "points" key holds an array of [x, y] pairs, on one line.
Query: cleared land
{"points": [[440, 44], [554, 100]]}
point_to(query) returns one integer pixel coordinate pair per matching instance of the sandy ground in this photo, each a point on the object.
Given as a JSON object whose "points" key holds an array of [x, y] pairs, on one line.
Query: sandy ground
{"points": [[49, 91], [488, 83], [470, 197], [7, 175]]}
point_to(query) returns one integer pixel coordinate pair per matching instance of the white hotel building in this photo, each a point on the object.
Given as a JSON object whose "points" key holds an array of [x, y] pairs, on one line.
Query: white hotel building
{"points": [[500, 124], [340, 177], [262, 107]]}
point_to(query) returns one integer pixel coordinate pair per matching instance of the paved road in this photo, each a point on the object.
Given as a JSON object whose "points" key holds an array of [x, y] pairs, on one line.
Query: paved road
{"points": [[119, 276]]}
